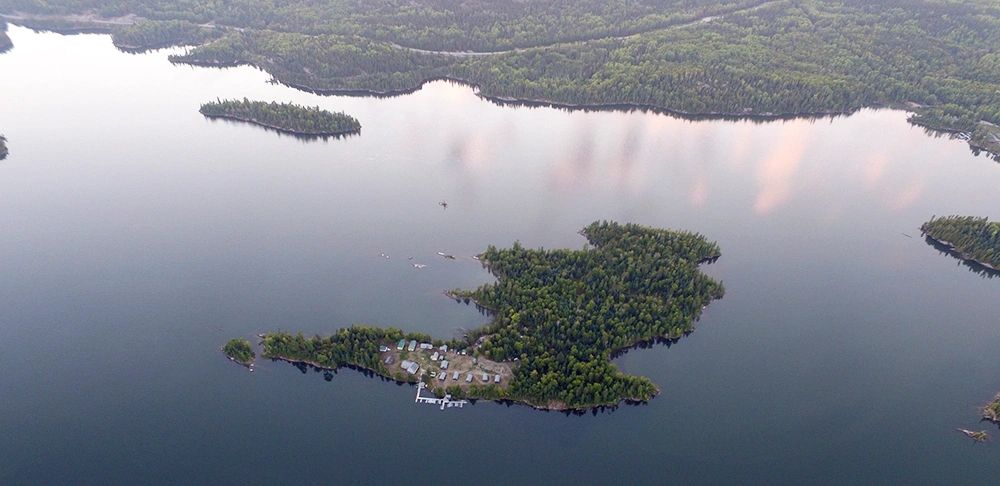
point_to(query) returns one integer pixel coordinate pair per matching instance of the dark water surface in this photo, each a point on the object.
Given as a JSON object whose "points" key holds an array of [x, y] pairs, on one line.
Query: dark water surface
{"points": [[139, 236]]}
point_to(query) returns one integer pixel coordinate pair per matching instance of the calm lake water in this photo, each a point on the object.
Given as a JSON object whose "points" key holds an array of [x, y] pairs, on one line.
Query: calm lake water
{"points": [[138, 237]]}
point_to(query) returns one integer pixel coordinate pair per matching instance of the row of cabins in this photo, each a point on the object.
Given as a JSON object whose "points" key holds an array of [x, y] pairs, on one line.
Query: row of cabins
{"points": [[468, 377], [413, 346]]}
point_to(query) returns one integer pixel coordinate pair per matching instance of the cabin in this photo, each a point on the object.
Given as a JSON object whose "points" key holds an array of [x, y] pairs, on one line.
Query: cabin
{"points": [[388, 359], [412, 346], [486, 377], [443, 348], [496, 379], [400, 345], [435, 356], [454, 376], [444, 364], [426, 346], [468, 378], [443, 376], [409, 366], [383, 349]]}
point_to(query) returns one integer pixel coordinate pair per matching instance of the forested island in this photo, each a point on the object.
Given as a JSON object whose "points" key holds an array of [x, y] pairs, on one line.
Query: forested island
{"points": [[745, 58], [3, 147], [240, 351], [558, 318], [970, 238], [284, 117]]}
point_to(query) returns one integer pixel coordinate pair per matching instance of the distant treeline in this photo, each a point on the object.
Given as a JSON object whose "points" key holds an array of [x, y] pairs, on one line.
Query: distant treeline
{"points": [[429, 24], [147, 35], [285, 117], [3, 147], [323, 63], [938, 57], [976, 239]]}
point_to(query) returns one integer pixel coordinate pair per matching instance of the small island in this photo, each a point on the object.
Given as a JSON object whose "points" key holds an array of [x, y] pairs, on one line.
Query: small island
{"points": [[3, 147], [970, 238], [284, 117], [558, 319], [978, 436], [240, 351]]}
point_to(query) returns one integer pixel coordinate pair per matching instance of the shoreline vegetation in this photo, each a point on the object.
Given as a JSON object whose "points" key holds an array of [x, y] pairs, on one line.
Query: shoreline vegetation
{"points": [[972, 239], [558, 319], [240, 351], [739, 58], [147, 35], [991, 411], [288, 118]]}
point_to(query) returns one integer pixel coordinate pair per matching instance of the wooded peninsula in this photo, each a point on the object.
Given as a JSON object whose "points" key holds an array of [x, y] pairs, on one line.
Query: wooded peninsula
{"points": [[970, 238], [743, 58], [284, 117], [558, 318]]}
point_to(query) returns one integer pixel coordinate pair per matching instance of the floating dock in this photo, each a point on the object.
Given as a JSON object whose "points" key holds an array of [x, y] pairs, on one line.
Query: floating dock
{"points": [[445, 402]]}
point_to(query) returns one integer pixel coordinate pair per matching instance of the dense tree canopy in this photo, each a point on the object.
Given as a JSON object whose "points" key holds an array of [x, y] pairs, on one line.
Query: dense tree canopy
{"points": [[485, 25], [156, 34], [563, 313], [975, 238], [324, 62], [283, 116], [240, 350]]}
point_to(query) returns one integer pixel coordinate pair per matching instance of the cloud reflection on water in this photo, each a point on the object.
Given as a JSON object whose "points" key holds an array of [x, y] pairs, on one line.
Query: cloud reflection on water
{"points": [[776, 172]]}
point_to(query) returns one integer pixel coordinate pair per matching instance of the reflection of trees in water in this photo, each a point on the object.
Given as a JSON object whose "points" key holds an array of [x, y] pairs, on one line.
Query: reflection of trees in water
{"points": [[283, 133], [328, 373], [973, 266], [978, 151]]}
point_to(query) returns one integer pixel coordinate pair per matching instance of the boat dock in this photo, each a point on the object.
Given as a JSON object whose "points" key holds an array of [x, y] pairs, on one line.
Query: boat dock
{"points": [[445, 402]]}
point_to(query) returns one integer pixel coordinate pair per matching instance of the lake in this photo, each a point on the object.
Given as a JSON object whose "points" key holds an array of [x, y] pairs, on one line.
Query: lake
{"points": [[139, 236]]}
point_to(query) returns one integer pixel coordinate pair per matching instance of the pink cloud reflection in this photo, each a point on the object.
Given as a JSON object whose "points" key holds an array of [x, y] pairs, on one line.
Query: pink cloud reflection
{"points": [[776, 173]]}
